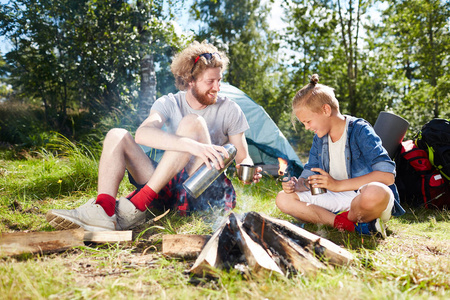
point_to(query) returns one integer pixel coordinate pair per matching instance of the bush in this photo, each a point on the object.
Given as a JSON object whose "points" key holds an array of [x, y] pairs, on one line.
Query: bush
{"points": [[22, 125]]}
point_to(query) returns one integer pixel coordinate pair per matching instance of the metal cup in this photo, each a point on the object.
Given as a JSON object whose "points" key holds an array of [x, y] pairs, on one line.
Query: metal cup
{"points": [[317, 190], [246, 173]]}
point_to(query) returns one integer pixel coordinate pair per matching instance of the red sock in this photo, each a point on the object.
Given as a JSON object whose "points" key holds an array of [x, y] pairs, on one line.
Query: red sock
{"points": [[108, 203], [144, 198], [131, 195], [342, 222]]}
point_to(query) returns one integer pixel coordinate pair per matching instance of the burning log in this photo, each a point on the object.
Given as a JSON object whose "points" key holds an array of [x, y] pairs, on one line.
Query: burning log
{"points": [[325, 250], [295, 258], [255, 255], [231, 245], [210, 256], [265, 243]]}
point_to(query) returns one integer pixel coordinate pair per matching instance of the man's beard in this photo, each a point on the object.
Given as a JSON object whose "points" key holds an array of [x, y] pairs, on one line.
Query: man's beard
{"points": [[203, 99]]}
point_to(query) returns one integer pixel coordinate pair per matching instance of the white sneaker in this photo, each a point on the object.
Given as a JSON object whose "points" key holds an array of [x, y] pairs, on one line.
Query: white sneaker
{"points": [[375, 227], [89, 216], [128, 216], [380, 227]]}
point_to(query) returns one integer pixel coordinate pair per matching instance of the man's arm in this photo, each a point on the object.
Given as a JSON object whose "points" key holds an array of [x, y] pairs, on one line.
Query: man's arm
{"points": [[242, 155], [150, 134]]}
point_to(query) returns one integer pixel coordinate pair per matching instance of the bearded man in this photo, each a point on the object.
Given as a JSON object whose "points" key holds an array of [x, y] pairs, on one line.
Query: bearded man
{"points": [[197, 122]]}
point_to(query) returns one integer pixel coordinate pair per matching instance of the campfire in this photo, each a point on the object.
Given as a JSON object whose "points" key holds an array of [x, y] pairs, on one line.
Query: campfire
{"points": [[259, 242], [283, 175]]}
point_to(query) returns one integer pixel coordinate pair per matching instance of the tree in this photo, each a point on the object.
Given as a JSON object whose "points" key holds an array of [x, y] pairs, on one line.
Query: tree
{"points": [[334, 39], [82, 54], [349, 27], [71, 54], [310, 36], [240, 28], [156, 36], [420, 33]]}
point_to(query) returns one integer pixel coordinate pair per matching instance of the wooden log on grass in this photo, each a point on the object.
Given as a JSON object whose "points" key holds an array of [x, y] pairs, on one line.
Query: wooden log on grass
{"points": [[108, 236], [40, 242], [186, 246]]}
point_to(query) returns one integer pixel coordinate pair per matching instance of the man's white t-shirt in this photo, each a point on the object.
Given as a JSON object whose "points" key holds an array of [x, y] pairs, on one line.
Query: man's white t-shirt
{"points": [[224, 118]]}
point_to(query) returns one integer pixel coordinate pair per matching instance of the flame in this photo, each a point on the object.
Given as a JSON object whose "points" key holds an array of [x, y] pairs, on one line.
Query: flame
{"points": [[283, 166]]}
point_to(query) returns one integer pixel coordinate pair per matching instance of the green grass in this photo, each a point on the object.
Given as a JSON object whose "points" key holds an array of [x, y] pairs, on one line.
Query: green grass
{"points": [[412, 263]]}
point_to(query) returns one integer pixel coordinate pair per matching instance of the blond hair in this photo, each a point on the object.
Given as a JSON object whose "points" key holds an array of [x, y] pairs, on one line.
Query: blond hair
{"points": [[314, 95], [185, 69]]}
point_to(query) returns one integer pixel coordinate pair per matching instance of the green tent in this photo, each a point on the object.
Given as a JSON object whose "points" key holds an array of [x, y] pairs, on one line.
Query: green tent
{"points": [[266, 141]]}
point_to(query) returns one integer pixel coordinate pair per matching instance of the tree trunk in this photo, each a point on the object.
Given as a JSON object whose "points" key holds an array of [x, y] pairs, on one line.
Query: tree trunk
{"points": [[148, 87], [147, 94], [351, 51], [433, 72]]}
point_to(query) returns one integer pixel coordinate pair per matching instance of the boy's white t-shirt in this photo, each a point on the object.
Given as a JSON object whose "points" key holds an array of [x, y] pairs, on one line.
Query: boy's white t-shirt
{"points": [[338, 169]]}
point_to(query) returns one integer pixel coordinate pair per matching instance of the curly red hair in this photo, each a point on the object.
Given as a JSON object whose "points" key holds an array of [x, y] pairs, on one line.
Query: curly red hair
{"points": [[185, 69]]}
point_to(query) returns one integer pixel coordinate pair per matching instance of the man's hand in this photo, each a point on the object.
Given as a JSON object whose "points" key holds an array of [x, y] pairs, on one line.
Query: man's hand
{"points": [[210, 153], [256, 177]]}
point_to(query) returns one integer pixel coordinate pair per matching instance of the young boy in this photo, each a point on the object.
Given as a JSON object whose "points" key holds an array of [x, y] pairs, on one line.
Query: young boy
{"points": [[346, 158]]}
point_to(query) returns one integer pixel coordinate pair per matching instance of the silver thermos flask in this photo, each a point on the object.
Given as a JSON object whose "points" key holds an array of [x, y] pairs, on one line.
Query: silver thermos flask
{"points": [[198, 182]]}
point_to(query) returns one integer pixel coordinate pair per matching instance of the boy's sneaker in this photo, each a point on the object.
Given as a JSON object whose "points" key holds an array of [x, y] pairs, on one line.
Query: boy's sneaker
{"points": [[128, 216], [89, 216], [375, 227]]}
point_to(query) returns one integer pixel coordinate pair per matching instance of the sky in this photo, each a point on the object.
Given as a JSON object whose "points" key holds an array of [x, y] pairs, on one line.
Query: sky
{"points": [[4, 45]]}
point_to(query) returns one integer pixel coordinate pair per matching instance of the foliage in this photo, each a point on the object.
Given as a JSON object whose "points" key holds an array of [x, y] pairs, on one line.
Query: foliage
{"points": [[79, 55], [21, 126], [81, 61], [393, 63], [419, 44]]}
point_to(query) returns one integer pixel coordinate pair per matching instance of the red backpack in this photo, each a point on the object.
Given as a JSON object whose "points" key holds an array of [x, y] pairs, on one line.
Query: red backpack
{"points": [[418, 182]]}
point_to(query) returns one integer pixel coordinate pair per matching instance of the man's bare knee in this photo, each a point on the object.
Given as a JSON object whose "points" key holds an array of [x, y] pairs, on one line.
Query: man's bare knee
{"points": [[192, 124], [117, 135]]}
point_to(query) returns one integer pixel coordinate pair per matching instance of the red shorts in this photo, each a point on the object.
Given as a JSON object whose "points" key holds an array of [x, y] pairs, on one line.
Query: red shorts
{"points": [[219, 195]]}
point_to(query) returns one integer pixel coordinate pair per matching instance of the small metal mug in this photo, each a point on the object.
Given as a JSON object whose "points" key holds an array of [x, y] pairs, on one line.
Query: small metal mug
{"points": [[317, 190], [246, 173]]}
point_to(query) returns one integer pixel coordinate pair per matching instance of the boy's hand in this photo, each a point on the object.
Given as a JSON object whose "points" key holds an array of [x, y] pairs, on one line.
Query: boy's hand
{"points": [[289, 186], [324, 180]]}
